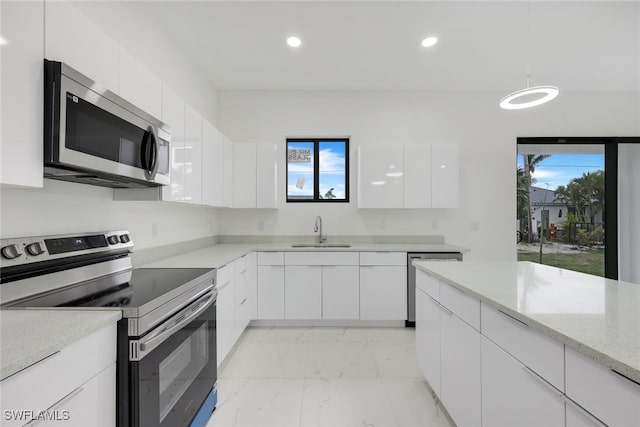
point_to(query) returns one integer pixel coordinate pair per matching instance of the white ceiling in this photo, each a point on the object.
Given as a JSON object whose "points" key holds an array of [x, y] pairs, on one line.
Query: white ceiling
{"points": [[375, 45]]}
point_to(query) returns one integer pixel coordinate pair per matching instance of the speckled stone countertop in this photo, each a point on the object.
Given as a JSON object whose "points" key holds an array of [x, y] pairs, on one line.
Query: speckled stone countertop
{"points": [[598, 317], [28, 336], [216, 256]]}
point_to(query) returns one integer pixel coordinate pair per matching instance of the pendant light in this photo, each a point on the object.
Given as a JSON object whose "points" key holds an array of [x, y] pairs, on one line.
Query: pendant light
{"points": [[530, 96]]}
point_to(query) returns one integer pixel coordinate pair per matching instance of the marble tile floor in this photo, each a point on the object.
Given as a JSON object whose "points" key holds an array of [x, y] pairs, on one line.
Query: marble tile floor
{"points": [[324, 376]]}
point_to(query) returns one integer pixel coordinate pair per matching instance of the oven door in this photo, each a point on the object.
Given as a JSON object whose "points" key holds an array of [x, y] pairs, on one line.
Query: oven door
{"points": [[176, 369]]}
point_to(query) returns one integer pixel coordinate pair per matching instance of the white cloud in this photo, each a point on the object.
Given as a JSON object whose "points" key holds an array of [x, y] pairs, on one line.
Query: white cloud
{"points": [[331, 162]]}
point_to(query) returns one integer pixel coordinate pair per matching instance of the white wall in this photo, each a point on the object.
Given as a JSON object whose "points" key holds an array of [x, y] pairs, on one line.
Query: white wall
{"points": [[66, 207], [487, 135], [63, 207]]}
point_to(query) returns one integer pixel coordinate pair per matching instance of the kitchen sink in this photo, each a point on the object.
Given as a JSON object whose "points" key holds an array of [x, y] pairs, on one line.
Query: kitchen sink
{"points": [[320, 245]]}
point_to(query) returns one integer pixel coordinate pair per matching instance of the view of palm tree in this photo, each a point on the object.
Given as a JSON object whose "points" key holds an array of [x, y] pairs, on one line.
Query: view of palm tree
{"points": [[560, 210]]}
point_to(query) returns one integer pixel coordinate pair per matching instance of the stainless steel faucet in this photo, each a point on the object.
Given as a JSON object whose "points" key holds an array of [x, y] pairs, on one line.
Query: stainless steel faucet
{"points": [[318, 228]]}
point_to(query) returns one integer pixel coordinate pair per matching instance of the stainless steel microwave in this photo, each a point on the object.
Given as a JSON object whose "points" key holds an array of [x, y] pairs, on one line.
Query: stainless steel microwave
{"points": [[93, 136]]}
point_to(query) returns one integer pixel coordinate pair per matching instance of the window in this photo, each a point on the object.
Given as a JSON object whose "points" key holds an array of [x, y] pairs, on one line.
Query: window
{"points": [[317, 170]]}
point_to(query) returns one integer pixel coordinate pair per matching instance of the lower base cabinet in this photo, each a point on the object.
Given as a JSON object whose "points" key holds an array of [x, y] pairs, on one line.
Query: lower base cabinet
{"points": [[428, 339], [270, 292], [303, 292], [460, 370], [340, 292], [383, 293], [224, 321], [515, 396]]}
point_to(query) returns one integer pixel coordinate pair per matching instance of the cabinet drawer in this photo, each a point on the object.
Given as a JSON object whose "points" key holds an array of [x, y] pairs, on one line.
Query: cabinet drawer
{"points": [[537, 351], [242, 264], [612, 398], [224, 275], [321, 258], [43, 384], [464, 306], [428, 284], [383, 258], [270, 258]]}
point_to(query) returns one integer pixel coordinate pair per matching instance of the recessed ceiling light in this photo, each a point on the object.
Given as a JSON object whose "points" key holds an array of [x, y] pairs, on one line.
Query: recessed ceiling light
{"points": [[394, 174], [3, 41], [378, 182], [429, 41], [294, 41]]}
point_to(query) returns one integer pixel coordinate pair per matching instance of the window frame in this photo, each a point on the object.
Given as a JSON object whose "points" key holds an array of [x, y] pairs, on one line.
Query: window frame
{"points": [[316, 170]]}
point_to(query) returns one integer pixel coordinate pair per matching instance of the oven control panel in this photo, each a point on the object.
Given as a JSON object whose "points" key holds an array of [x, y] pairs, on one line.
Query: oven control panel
{"points": [[26, 250]]}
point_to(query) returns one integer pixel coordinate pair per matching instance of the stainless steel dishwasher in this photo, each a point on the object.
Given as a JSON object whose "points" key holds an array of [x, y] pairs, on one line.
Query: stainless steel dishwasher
{"points": [[411, 277]]}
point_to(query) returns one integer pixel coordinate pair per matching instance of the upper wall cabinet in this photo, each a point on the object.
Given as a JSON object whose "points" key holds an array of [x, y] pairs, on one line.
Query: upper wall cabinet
{"points": [[408, 176], [255, 176], [192, 152], [70, 37], [380, 176], [173, 115], [213, 165], [21, 74], [227, 195], [445, 176], [140, 86]]}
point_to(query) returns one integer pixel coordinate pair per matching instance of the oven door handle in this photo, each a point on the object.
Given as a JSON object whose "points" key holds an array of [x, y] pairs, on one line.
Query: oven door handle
{"points": [[182, 319]]}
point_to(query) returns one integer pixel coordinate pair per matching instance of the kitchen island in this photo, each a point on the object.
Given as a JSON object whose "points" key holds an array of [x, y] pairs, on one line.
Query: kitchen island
{"points": [[543, 344]]}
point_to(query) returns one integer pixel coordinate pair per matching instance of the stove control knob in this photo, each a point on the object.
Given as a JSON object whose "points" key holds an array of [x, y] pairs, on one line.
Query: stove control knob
{"points": [[11, 252], [124, 238], [113, 240], [35, 249]]}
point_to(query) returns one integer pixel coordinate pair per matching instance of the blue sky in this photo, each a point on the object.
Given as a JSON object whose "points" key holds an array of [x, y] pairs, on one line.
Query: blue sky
{"points": [[332, 170], [559, 169]]}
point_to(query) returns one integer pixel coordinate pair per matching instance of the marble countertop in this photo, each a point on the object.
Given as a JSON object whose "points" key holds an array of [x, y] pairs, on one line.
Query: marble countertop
{"points": [[596, 316], [30, 335], [216, 256]]}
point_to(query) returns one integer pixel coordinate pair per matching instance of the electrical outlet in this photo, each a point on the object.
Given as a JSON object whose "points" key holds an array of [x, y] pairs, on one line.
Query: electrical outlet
{"points": [[155, 230]]}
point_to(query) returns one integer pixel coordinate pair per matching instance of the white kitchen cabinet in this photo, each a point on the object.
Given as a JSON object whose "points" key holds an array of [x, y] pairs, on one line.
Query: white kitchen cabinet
{"points": [[244, 175], [271, 292], [428, 338], [576, 416], [537, 351], [380, 176], [139, 86], [213, 165], [72, 38], [612, 398], [173, 116], [460, 386], [192, 153], [513, 395], [252, 286], [80, 378], [228, 173], [445, 176], [225, 310], [266, 176], [340, 292], [255, 176], [303, 292], [383, 292], [417, 176], [21, 74]]}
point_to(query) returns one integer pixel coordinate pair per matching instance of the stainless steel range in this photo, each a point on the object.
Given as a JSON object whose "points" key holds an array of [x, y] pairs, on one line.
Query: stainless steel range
{"points": [[167, 338]]}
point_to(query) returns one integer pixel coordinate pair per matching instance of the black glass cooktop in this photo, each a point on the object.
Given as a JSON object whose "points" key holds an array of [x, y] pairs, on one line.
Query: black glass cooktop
{"points": [[129, 289]]}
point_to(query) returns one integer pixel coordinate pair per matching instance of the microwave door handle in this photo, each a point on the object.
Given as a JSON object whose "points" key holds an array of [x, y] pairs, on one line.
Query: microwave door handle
{"points": [[154, 164]]}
